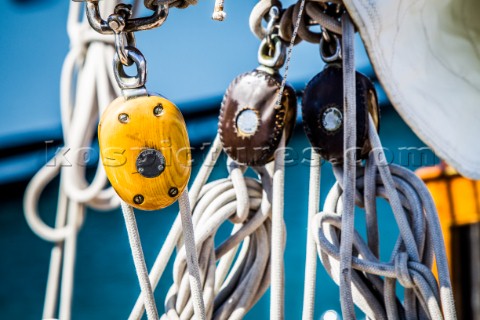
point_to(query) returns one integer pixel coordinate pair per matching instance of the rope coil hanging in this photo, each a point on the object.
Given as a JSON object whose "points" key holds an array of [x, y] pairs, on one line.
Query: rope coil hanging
{"points": [[87, 86], [231, 283], [341, 248], [420, 241], [229, 292]]}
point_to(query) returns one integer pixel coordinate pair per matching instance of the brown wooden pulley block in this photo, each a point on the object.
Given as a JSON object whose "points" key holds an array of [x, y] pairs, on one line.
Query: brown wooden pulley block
{"points": [[145, 150], [251, 124], [322, 112]]}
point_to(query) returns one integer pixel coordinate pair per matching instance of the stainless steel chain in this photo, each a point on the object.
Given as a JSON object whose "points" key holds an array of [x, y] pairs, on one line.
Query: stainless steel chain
{"points": [[325, 14]]}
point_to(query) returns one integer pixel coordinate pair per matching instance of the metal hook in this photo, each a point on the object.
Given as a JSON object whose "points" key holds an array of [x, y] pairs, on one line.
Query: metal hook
{"points": [[273, 14], [131, 25]]}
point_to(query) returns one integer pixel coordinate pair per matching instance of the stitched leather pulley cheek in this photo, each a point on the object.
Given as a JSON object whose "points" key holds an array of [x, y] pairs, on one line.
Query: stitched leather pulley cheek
{"points": [[145, 151], [322, 112], [251, 125]]}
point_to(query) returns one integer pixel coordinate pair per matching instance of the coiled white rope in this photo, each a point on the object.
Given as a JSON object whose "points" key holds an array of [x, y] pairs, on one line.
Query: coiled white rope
{"points": [[87, 87], [228, 292], [235, 274]]}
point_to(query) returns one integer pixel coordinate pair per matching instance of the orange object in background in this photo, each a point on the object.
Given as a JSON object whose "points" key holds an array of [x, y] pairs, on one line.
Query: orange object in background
{"points": [[458, 203]]}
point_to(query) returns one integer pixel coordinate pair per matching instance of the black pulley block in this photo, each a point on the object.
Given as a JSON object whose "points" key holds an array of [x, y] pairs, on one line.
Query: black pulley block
{"points": [[323, 118]]}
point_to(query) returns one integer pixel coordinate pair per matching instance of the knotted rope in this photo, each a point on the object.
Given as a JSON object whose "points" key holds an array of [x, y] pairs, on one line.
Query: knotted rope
{"points": [[420, 235], [420, 241]]}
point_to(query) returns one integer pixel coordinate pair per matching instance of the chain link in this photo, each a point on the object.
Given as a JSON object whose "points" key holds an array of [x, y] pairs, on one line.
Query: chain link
{"points": [[317, 13]]}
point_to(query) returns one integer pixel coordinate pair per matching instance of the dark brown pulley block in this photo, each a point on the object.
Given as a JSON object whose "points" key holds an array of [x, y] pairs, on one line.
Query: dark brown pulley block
{"points": [[251, 125], [322, 111]]}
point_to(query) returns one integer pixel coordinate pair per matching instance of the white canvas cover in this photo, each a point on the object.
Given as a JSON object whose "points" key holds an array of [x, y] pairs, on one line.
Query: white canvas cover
{"points": [[426, 54]]}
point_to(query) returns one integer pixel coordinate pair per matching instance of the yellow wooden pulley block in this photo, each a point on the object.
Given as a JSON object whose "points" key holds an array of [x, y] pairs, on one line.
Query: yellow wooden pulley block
{"points": [[145, 150]]}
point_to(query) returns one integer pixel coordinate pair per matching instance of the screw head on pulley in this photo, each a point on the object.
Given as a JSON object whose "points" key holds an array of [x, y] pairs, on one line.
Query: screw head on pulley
{"points": [[323, 118]]}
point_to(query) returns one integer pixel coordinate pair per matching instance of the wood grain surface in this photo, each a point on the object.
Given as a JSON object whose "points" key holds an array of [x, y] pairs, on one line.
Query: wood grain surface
{"points": [[122, 141]]}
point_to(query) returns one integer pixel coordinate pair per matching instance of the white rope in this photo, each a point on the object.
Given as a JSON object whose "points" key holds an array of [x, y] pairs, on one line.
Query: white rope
{"points": [[229, 292], [235, 274], [139, 261], [277, 291], [87, 86], [349, 142], [191, 257], [311, 255]]}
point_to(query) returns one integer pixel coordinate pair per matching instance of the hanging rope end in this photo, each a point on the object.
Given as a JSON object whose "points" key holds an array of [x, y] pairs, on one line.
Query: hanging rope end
{"points": [[219, 14]]}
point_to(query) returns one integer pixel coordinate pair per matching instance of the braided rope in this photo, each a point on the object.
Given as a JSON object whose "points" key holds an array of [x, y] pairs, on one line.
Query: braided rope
{"points": [[231, 287], [420, 241], [229, 292]]}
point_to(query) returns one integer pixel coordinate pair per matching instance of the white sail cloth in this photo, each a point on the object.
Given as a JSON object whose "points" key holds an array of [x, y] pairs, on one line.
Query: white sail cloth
{"points": [[426, 54]]}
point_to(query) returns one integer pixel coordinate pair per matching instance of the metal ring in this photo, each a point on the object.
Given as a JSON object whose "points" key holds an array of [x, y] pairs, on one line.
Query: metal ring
{"points": [[286, 27], [303, 31], [316, 12], [259, 12], [277, 58], [130, 82], [337, 55]]}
